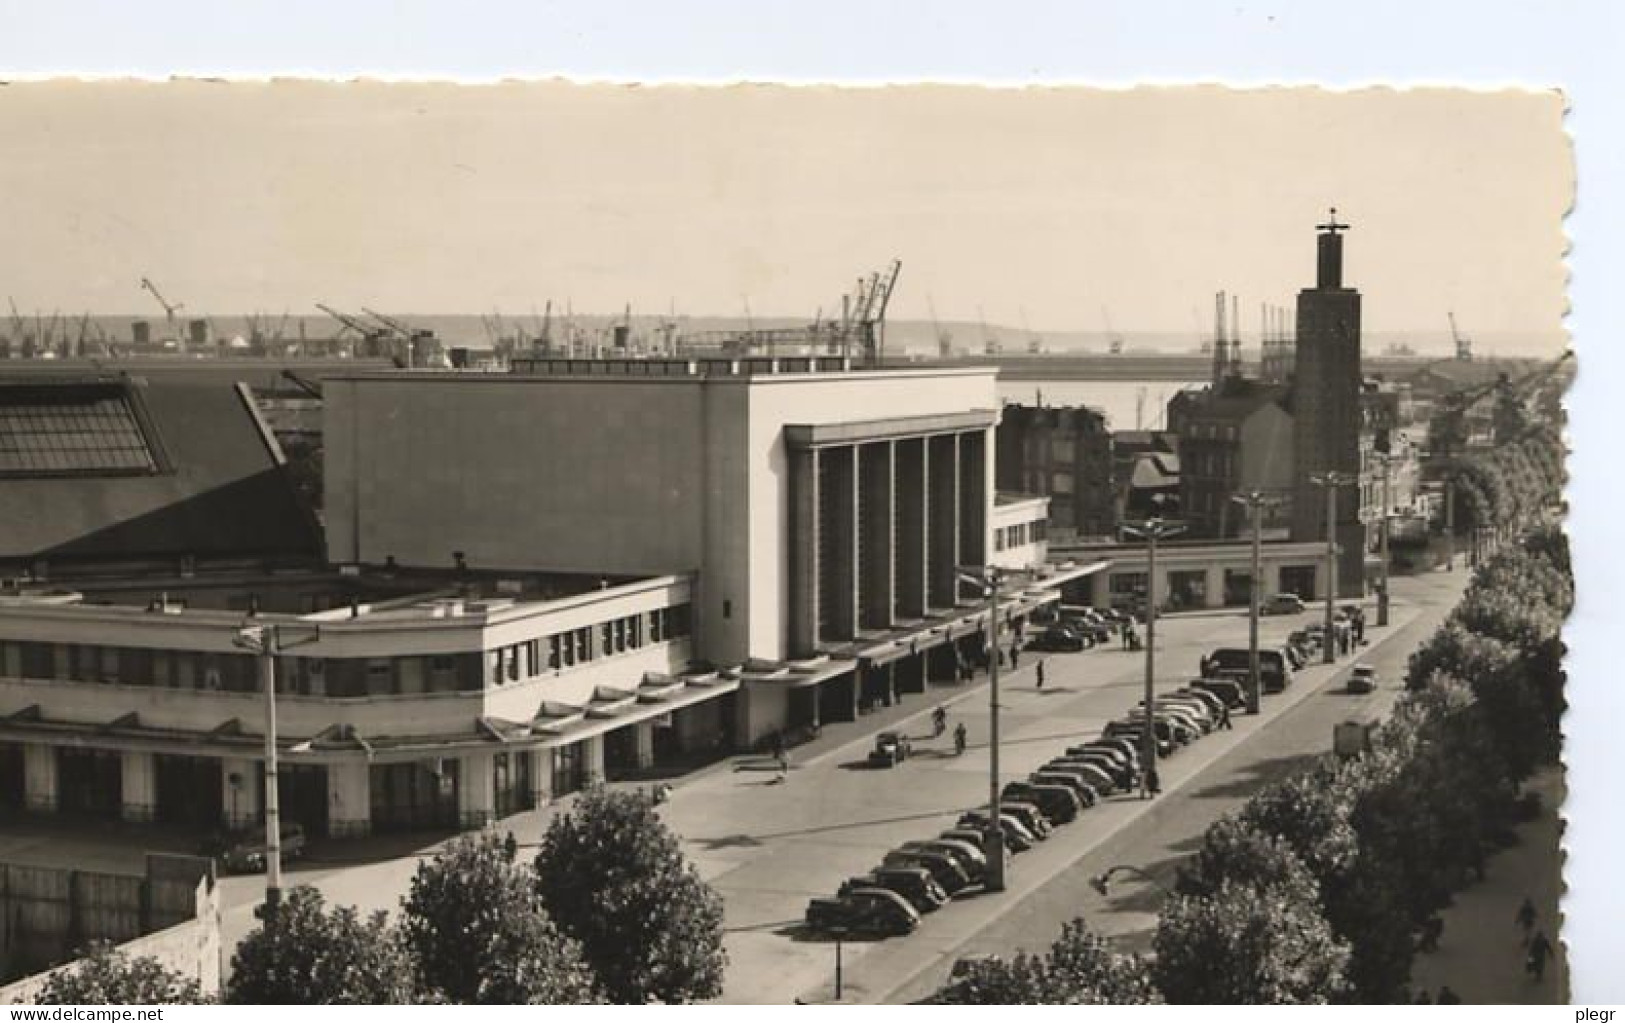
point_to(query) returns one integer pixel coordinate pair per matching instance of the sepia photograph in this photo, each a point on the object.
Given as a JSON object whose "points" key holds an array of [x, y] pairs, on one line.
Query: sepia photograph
{"points": [[550, 542]]}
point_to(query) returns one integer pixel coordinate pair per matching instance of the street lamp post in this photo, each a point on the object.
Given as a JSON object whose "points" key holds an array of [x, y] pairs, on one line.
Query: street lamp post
{"points": [[261, 640], [1331, 481], [1382, 538], [1255, 501], [1152, 530], [988, 578]]}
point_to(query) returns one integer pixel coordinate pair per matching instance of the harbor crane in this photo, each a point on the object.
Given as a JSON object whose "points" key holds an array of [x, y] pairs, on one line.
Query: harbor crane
{"points": [[1464, 344], [170, 309]]}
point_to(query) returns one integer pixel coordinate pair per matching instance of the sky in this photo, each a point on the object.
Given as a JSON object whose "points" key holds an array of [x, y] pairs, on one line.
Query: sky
{"points": [[1058, 207]]}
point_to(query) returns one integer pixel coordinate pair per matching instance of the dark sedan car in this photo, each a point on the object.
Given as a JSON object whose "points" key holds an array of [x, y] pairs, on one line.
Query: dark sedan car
{"points": [[1058, 639], [1059, 803], [863, 911], [913, 883]]}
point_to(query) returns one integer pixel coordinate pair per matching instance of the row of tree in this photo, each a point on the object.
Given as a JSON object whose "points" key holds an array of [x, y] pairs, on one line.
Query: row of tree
{"points": [[608, 911], [1317, 889]]}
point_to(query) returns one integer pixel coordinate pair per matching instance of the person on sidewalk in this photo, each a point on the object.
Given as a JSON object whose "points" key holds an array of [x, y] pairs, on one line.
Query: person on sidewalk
{"points": [[1539, 951], [1015, 655], [939, 722], [1040, 669], [959, 739], [1526, 919], [1224, 715]]}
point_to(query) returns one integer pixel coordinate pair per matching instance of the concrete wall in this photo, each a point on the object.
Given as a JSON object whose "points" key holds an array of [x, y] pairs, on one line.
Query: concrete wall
{"points": [[1266, 457], [569, 474], [191, 948]]}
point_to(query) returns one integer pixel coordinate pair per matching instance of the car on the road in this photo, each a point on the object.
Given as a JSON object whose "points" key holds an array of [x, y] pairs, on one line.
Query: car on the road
{"points": [[245, 853], [1363, 679], [1282, 604], [1060, 804], [944, 869], [863, 911], [913, 883], [891, 749], [1058, 639]]}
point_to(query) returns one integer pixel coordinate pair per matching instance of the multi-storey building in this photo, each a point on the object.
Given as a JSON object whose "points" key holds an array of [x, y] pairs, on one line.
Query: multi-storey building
{"points": [[1064, 453]]}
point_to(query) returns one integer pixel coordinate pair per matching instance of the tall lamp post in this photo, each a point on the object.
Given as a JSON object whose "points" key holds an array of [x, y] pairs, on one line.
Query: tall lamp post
{"points": [[1331, 481], [264, 641], [1387, 463], [1255, 501], [1151, 530], [988, 578]]}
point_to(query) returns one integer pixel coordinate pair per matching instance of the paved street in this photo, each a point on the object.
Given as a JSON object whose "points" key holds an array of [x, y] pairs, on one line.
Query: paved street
{"points": [[770, 847]]}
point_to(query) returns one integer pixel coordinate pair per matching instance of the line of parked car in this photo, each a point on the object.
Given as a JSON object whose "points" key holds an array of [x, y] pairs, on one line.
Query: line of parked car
{"points": [[1070, 628], [919, 877]]}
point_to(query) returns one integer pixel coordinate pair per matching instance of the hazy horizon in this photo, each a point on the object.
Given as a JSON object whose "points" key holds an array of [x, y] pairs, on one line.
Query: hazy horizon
{"points": [[1054, 210]]}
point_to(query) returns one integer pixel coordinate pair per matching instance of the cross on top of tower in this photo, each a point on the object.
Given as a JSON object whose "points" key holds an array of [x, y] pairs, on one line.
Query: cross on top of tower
{"points": [[1332, 226]]}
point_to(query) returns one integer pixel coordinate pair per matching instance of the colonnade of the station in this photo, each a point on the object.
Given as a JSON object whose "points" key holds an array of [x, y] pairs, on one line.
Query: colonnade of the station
{"points": [[879, 529]]}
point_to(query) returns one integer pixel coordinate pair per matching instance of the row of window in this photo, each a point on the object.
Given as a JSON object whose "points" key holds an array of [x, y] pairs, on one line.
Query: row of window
{"points": [[340, 677], [578, 646], [1020, 535]]}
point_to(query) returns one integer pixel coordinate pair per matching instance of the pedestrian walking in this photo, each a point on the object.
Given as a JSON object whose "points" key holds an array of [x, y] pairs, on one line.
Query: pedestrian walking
{"points": [[999, 653], [959, 738], [1015, 655], [1448, 997], [1153, 784], [939, 722], [1040, 669], [1526, 919], [1539, 951], [1224, 715]]}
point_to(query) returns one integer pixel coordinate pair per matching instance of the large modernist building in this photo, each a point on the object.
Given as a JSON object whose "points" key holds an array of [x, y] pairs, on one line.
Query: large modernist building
{"points": [[528, 580]]}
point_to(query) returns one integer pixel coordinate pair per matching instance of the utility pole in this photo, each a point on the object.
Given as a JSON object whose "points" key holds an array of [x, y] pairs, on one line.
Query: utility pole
{"points": [[1151, 530], [261, 641], [1387, 509], [1450, 521], [1331, 481], [989, 578], [1255, 501]]}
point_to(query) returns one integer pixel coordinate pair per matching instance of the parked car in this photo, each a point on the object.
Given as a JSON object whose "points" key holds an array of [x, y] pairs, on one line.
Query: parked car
{"points": [[1215, 706], [1016, 835], [865, 911], [1282, 604], [1088, 771], [944, 870], [1236, 662], [1086, 622], [891, 749], [1125, 746], [968, 855], [913, 883], [1031, 815], [1363, 679], [1179, 728], [1086, 793], [1191, 709], [246, 853], [1131, 730], [1058, 639], [1059, 803], [1231, 691], [978, 838]]}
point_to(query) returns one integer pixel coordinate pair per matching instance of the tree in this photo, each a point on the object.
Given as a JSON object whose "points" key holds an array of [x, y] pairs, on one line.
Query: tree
{"points": [[310, 955], [1079, 969], [481, 936], [106, 976], [1234, 851], [1247, 946], [615, 878]]}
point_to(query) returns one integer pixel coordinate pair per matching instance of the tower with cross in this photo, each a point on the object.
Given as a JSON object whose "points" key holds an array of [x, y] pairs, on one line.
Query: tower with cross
{"points": [[1326, 390]]}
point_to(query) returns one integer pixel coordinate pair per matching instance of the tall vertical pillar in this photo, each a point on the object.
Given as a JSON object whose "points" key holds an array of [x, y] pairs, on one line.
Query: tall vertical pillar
{"points": [[476, 789], [973, 498], [943, 543], [840, 470], [541, 775], [349, 799], [139, 795], [912, 527], [239, 792], [40, 777], [592, 758], [1215, 587], [643, 743], [877, 471], [804, 551]]}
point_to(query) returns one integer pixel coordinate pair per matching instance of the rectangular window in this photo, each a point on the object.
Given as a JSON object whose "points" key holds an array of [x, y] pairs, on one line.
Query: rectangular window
{"points": [[442, 674], [380, 676], [657, 619], [634, 631], [555, 653], [620, 635], [583, 639], [108, 666], [678, 624], [73, 430]]}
